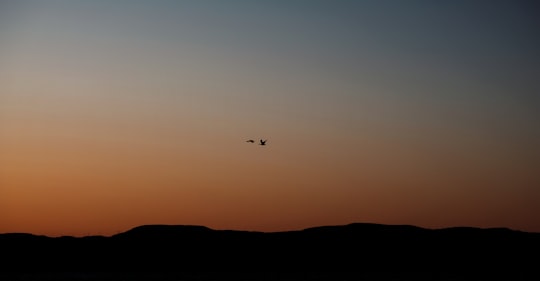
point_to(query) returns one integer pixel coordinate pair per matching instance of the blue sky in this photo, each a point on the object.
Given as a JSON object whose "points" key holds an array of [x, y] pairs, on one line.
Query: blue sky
{"points": [[383, 111]]}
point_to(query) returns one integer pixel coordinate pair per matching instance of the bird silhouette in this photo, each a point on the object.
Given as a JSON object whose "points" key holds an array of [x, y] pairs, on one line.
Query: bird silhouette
{"points": [[262, 142], [251, 141]]}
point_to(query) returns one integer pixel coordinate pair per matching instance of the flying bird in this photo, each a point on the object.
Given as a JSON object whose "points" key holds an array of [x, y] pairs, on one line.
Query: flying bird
{"points": [[262, 142], [251, 141]]}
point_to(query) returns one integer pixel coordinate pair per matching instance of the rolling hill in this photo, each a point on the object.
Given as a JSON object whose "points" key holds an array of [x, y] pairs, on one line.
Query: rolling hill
{"points": [[361, 248]]}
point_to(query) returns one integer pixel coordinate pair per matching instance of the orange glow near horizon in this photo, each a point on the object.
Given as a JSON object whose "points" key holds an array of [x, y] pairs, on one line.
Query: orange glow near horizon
{"points": [[79, 187]]}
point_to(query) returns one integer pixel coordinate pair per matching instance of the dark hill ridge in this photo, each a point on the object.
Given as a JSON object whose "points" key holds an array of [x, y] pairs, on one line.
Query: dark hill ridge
{"points": [[358, 247]]}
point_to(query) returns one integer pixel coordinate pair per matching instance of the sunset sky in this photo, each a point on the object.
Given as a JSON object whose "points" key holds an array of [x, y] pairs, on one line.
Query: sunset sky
{"points": [[115, 114]]}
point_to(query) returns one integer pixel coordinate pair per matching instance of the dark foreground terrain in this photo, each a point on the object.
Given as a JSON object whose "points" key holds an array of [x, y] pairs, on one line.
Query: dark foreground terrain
{"points": [[350, 252]]}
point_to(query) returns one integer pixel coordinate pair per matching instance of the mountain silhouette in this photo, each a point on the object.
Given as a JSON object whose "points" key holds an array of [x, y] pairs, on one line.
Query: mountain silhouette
{"points": [[358, 248]]}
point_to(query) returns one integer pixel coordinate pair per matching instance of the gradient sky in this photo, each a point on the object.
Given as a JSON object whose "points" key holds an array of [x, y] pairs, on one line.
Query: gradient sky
{"points": [[115, 114]]}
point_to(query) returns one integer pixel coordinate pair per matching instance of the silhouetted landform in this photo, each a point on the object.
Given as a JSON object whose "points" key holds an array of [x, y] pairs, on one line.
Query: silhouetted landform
{"points": [[362, 248]]}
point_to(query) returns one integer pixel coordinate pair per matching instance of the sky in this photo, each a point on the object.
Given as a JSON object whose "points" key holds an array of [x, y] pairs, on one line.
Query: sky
{"points": [[115, 114]]}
